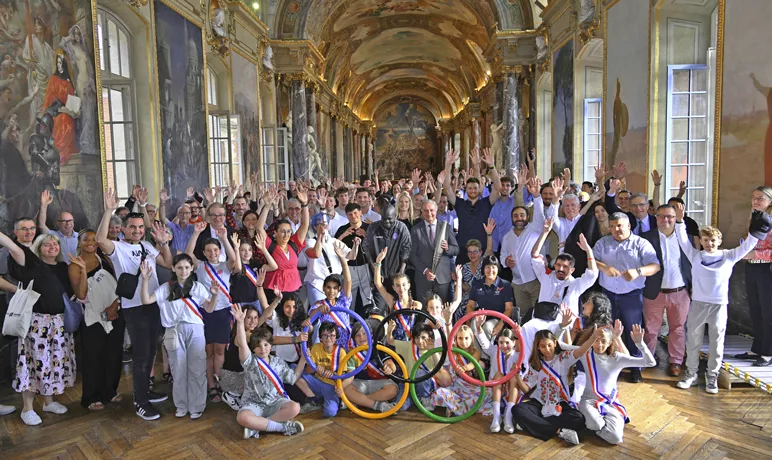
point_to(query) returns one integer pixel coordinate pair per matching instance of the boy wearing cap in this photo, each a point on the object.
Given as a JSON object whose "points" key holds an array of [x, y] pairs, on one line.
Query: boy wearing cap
{"points": [[711, 269], [322, 261]]}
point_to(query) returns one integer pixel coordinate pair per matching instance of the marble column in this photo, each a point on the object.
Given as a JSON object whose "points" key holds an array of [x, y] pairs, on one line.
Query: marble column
{"points": [[311, 117], [476, 133], [511, 133], [299, 130]]}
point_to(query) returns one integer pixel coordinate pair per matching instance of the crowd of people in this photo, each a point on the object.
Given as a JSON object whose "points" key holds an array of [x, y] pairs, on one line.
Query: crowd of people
{"points": [[223, 290]]}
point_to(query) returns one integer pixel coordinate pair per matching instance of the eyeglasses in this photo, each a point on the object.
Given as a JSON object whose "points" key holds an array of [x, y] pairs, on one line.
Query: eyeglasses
{"points": [[665, 217], [68, 221], [284, 232], [473, 251], [327, 336], [217, 215], [134, 215], [641, 205], [28, 229], [293, 209]]}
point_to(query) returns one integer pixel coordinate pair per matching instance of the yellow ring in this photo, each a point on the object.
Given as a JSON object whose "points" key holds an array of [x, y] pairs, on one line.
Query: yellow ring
{"points": [[373, 415]]}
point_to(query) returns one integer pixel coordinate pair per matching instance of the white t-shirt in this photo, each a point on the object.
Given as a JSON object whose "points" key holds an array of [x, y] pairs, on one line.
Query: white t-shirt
{"points": [[178, 311], [205, 271], [554, 290], [125, 259], [288, 352], [317, 268]]}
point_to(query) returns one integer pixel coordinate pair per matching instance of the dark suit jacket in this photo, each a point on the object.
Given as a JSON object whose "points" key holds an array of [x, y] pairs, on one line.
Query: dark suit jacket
{"points": [[422, 251], [198, 251], [611, 208], [654, 282]]}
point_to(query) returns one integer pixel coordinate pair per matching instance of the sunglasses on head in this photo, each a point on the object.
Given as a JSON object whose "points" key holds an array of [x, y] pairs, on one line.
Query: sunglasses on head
{"points": [[135, 215]]}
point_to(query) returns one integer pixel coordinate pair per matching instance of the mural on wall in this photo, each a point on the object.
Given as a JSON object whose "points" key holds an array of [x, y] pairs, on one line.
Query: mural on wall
{"points": [[563, 109], [183, 111], [48, 111], [245, 98], [746, 109], [626, 111], [406, 139]]}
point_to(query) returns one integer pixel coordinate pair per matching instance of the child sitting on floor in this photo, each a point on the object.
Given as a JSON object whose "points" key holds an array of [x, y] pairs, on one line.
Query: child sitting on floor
{"points": [[327, 355]]}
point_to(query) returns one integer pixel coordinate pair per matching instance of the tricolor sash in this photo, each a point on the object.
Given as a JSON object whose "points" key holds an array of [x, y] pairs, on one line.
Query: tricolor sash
{"points": [[250, 274], [501, 361], [360, 356], [604, 402], [272, 376], [335, 358], [193, 307], [417, 356], [557, 380], [406, 324], [217, 280]]}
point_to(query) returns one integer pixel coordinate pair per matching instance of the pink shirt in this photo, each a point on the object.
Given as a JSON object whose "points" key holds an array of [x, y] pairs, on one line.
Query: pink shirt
{"points": [[764, 249], [286, 278]]}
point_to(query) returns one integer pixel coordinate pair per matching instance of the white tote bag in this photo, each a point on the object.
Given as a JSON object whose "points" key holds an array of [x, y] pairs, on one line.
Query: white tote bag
{"points": [[19, 315]]}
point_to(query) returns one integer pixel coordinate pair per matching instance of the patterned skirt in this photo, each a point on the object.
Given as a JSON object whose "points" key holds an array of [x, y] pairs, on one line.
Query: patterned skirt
{"points": [[46, 357], [460, 397]]}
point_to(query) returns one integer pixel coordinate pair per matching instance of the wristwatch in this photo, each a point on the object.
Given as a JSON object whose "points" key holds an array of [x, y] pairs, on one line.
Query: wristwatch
{"points": [[640, 273]]}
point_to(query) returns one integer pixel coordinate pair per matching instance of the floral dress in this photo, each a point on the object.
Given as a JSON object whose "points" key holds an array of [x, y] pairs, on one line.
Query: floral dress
{"points": [[461, 396]]}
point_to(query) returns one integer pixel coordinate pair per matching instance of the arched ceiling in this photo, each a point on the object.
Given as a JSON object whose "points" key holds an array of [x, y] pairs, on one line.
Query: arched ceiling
{"points": [[378, 50]]}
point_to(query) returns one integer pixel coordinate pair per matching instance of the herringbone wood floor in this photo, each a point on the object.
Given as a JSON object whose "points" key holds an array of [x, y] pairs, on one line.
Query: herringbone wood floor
{"points": [[666, 423]]}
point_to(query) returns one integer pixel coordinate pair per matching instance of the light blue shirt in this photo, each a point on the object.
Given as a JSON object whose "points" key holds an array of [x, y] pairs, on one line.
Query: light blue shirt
{"points": [[68, 245], [644, 226], [634, 252], [502, 215], [181, 236]]}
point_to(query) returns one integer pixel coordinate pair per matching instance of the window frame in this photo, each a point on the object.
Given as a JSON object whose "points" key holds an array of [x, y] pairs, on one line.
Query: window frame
{"points": [[116, 82], [589, 174], [702, 215]]}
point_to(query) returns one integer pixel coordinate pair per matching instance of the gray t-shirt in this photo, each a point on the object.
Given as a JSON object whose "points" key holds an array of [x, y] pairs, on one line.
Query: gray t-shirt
{"points": [[258, 388]]}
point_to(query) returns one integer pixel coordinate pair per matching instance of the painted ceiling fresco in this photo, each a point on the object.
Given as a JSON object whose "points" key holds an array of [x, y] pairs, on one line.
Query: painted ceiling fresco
{"points": [[406, 137], [427, 49]]}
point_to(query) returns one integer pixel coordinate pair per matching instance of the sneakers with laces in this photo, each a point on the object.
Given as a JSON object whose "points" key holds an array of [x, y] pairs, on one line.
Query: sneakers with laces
{"points": [[180, 413], [146, 411], [711, 384], [293, 427], [154, 397], [383, 406], [569, 436], [427, 403], [55, 408], [31, 418], [232, 400], [495, 425], [309, 406], [251, 433], [196, 415], [688, 381]]}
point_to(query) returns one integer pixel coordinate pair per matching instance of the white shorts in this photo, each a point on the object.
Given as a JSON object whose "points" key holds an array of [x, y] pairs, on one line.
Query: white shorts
{"points": [[265, 410], [367, 387]]}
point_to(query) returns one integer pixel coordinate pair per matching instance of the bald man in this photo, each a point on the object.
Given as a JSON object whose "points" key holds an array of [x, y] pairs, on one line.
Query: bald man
{"points": [[65, 224]]}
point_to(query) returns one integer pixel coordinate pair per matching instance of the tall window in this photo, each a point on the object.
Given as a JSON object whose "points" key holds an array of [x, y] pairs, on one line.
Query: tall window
{"points": [[687, 138], [592, 124], [117, 103], [275, 155], [224, 139]]}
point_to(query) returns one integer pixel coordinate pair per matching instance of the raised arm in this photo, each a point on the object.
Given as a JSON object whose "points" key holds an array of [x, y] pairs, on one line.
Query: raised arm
{"points": [[45, 199], [163, 197], [378, 279], [16, 252], [145, 296], [236, 266], [487, 158], [161, 237], [111, 202], [340, 252], [450, 160], [683, 238], [585, 347], [241, 335], [546, 229], [190, 248], [260, 239], [656, 178]]}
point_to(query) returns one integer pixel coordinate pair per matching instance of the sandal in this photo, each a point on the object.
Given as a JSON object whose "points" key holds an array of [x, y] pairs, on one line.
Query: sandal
{"points": [[95, 406], [117, 398], [168, 377], [214, 395]]}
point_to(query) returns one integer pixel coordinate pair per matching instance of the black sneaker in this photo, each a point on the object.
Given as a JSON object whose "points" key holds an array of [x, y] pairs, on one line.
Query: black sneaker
{"points": [[154, 397], [151, 383], [127, 355], [146, 411]]}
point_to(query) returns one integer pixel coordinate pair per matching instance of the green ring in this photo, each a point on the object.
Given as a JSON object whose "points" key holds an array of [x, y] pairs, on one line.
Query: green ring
{"points": [[439, 418]]}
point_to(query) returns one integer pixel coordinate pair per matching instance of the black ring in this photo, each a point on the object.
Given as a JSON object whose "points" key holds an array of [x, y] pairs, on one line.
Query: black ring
{"points": [[425, 315]]}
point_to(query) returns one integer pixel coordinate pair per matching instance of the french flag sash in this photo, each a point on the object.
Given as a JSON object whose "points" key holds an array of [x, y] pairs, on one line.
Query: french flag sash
{"points": [[406, 323], [501, 361], [193, 307], [558, 381], [250, 274], [335, 358], [212, 273], [604, 402], [272, 377], [360, 356], [417, 356]]}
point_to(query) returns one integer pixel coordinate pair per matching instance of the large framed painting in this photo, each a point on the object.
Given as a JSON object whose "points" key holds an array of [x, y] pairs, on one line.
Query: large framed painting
{"points": [[49, 114], [406, 139], [181, 84], [563, 109], [246, 102]]}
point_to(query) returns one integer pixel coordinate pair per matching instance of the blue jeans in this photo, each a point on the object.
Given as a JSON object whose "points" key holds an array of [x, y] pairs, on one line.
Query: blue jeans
{"points": [[326, 392], [629, 309]]}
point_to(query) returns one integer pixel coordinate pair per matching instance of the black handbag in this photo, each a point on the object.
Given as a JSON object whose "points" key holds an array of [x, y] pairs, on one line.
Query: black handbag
{"points": [[127, 283]]}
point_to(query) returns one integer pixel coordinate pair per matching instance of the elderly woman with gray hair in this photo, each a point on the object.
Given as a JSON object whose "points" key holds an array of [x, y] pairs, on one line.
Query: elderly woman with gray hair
{"points": [[46, 363]]}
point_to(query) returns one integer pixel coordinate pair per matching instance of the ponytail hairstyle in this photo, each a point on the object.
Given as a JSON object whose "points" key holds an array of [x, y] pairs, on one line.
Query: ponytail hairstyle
{"points": [[295, 323], [398, 277], [535, 360], [176, 291]]}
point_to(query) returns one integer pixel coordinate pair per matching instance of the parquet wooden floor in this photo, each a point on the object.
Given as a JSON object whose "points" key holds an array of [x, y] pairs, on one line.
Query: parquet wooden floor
{"points": [[666, 423]]}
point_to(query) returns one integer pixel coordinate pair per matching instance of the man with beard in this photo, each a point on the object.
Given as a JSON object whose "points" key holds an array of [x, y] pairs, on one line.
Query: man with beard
{"points": [[387, 233], [516, 254], [559, 286]]}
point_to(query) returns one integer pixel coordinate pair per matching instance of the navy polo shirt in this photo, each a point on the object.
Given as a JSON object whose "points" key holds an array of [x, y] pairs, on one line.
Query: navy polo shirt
{"points": [[471, 218], [493, 297]]}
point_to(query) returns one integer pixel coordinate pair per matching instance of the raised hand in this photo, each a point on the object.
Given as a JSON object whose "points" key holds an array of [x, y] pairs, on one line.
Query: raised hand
{"points": [[533, 186], [618, 328], [451, 159], [221, 233], [415, 176], [209, 195], [600, 173], [679, 211], [339, 251], [146, 269], [277, 293], [134, 190], [490, 226], [548, 222], [302, 193], [441, 177], [238, 313], [381, 255], [522, 174], [567, 314], [199, 227], [46, 198], [160, 235], [583, 244], [487, 157], [656, 178], [142, 196], [475, 156], [190, 192], [261, 276], [614, 185], [78, 261], [111, 200], [163, 196], [636, 333], [236, 241], [681, 188], [566, 175]]}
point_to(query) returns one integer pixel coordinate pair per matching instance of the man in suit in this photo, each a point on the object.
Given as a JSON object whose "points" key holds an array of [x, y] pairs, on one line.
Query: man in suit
{"points": [[215, 214], [640, 220], [433, 246], [667, 291]]}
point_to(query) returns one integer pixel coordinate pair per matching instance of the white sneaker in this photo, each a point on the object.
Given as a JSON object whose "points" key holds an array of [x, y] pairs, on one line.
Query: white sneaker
{"points": [[5, 410], [251, 433], [427, 403], [233, 401], [569, 436], [31, 418], [711, 384], [688, 381], [196, 415], [495, 425], [180, 413], [55, 408], [509, 428]]}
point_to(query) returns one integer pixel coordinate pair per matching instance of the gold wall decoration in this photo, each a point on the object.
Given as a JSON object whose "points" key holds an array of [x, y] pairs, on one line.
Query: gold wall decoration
{"points": [[219, 28]]}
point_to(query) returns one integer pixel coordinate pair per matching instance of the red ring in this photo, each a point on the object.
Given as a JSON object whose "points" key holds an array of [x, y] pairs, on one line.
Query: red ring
{"points": [[506, 319]]}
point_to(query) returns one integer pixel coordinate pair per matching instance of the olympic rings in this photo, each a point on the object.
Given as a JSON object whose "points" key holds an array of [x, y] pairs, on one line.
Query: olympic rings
{"points": [[444, 340], [515, 369], [439, 418], [374, 415], [312, 364]]}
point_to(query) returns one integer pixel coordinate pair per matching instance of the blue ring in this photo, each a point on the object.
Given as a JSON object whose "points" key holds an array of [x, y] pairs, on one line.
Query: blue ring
{"points": [[304, 345]]}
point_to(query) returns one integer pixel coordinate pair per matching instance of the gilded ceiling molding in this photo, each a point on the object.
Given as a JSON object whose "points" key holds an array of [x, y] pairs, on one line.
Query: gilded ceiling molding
{"points": [[136, 3], [218, 27]]}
